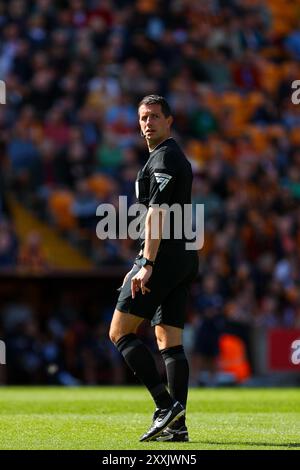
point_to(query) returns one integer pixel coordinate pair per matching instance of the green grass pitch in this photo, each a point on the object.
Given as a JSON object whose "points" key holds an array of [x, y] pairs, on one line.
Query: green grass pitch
{"points": [[114, 418]]}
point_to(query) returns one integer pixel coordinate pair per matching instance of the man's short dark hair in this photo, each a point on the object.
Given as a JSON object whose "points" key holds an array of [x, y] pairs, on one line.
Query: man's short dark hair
{"points": [[156, 99]]}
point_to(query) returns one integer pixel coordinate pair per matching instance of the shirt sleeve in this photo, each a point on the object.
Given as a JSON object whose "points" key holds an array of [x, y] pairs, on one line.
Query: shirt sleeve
{"points": [[162, 179]]}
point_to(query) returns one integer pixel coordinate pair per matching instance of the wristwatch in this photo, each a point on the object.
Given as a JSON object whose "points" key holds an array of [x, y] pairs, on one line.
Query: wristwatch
{"points": [[144, 261]]}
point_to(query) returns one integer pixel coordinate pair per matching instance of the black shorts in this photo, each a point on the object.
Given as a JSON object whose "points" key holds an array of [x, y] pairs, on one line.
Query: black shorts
{"points": [[173, 272]]}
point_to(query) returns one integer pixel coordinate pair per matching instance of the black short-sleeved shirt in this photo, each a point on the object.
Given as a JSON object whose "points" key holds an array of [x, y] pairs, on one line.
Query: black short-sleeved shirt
{"points": [[166, 178]]}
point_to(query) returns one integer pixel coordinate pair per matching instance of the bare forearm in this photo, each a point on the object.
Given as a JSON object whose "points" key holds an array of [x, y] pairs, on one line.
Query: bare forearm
{"points": [[153, 233], [151, 249]]}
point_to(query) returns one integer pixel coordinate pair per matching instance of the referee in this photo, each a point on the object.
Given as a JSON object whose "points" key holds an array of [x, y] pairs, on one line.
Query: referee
{"points": [[157, 286]]}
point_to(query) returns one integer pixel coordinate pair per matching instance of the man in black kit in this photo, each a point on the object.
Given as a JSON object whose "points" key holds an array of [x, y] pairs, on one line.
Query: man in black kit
{"points": [[157, 286]]}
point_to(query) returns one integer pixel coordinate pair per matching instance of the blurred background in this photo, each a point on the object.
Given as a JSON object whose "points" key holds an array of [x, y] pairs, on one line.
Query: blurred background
{"points": [[69, 140]]}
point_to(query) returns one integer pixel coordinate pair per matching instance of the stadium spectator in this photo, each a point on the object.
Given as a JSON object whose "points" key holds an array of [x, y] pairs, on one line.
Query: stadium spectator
{"points": [[32, 256], [8, 246]]}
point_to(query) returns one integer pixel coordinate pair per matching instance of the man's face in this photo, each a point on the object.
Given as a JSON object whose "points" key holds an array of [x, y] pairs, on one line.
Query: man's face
{"points": [[154, 125]]}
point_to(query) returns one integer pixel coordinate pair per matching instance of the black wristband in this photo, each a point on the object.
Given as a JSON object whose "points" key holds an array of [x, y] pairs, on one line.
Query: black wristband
{"points": [[145, 261]]}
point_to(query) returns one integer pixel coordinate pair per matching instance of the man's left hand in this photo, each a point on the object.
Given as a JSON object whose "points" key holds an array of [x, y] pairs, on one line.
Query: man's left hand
{"points": [[140, 279]]}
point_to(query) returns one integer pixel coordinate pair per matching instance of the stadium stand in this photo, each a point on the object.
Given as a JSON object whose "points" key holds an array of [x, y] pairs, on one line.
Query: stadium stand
{"points": [[69, 140]]}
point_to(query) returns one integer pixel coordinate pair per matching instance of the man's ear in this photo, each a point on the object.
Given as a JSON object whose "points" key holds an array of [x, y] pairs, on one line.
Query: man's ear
{"points": [[170, 120]]}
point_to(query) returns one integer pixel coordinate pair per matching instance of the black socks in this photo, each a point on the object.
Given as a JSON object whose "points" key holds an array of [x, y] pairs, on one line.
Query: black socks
{"points": [[141, 362], [177, 368]]}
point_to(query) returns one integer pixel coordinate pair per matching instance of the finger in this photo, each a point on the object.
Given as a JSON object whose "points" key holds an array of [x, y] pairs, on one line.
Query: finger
{"points": [[133, 286], [145, 290], [142, 287]]}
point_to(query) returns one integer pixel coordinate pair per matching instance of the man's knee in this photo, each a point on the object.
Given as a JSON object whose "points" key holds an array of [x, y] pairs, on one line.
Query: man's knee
{"points": [[163, 340], [122, 325], [168, 337], [113, 335], [116, 332]]}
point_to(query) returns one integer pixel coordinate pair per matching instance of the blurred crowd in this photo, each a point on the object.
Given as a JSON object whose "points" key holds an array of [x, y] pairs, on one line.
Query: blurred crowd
{"points": [[58, 339], [75, 71], [57, 333]]}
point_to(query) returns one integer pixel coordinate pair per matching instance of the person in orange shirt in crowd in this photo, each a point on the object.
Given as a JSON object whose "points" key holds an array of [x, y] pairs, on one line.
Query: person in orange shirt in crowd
{"points": [[32, 256]]}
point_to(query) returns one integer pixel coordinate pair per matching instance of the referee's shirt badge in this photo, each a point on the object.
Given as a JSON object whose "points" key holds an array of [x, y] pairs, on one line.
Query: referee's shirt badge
{"points": [[162, 179]]}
